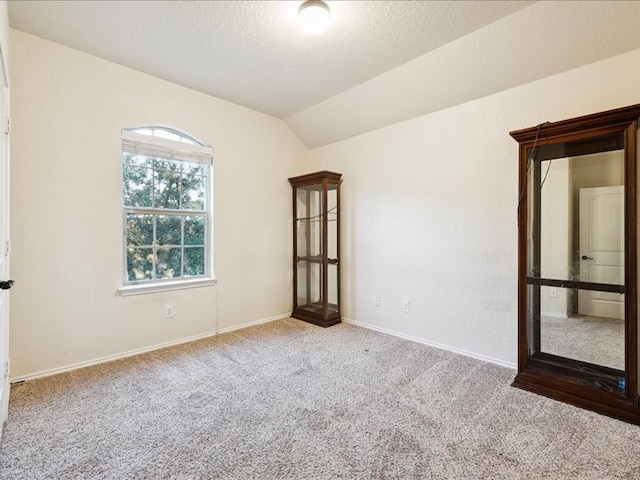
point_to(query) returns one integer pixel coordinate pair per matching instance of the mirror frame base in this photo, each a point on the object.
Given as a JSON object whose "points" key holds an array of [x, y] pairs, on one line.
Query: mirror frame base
{"points": [[539, 381]]}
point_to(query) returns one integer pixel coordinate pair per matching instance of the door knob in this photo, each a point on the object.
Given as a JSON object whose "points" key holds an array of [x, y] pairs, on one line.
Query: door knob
{"points": [[6, 284], [584, 257]]}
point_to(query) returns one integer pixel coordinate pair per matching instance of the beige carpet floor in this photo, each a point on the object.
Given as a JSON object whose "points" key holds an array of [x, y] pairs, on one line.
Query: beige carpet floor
{"points": [[288, 400]]}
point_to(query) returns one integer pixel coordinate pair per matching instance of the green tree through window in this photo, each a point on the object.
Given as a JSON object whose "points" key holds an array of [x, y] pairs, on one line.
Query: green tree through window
{"points": [[165, 189]]}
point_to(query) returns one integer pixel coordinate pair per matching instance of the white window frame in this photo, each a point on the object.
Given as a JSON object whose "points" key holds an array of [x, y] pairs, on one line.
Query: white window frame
{"points": [[170, 143]]}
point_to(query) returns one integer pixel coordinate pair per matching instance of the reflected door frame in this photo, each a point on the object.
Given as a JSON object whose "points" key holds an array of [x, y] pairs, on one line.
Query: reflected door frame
{"points": [[597, 388]]}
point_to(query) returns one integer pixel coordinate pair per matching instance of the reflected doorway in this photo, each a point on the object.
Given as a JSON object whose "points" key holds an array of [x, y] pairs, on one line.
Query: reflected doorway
{"points": [[602, 249]]}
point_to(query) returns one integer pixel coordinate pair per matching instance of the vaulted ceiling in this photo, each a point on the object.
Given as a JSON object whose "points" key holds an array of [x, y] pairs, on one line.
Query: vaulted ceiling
{"points": [[380, 62]]}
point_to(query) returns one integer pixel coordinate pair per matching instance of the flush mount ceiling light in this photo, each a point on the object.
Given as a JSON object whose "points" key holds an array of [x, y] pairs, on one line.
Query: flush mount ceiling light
{"points": [[314, 16]]}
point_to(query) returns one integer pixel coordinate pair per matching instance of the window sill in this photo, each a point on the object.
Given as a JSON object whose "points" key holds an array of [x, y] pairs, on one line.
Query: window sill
{"points": [[141, 289]]}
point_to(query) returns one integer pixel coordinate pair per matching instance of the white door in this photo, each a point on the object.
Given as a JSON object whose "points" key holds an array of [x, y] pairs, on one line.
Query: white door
{"points": [[4, 241], [4, 250], [602, 249]]}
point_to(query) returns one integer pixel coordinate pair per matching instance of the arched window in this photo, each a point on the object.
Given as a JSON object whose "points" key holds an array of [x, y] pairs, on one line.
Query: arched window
{"points": [[166, 199]]}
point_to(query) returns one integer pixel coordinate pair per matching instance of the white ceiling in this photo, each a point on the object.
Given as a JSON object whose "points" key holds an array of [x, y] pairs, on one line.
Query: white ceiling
{"points": [[252, 52]]}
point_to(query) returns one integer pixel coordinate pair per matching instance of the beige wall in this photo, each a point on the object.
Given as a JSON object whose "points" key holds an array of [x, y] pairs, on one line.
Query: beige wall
{"points": [[429, 209], [68, 110], [4, 33]]}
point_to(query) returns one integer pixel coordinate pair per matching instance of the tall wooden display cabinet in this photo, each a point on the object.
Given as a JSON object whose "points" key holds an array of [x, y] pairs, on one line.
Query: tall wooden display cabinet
{"points": [[316, 248]]}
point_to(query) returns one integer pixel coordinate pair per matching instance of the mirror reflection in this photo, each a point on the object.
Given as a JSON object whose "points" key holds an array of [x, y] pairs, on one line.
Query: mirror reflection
{"points": [[588, 338], [578, 226], [582, 218]]}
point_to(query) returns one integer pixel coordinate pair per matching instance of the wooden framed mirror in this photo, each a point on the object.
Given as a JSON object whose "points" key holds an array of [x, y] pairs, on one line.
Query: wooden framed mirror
{"points": [[577, 261]]}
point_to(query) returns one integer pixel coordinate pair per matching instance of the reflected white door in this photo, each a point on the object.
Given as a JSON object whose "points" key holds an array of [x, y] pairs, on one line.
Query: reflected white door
{"points": [[602, 249]]}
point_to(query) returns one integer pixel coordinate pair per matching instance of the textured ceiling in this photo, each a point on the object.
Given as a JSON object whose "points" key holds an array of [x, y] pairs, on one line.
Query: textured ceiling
{"points": [[542, 40], [253, 52], [379, 63]]}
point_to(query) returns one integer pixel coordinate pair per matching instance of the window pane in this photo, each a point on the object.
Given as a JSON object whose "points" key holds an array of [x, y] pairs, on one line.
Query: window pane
{"points": [[167, 192], [194, 230], [139, 264], [169, 263], [168, 230], [194, 189], [161, 163], [137, 159], [165, 207], [194, 169], [137, 186], [194, 261], [139, 229]]}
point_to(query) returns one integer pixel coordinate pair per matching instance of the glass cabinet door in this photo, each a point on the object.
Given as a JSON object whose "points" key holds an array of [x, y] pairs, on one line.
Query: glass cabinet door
{"points": [[333, 283], [309, 241]]}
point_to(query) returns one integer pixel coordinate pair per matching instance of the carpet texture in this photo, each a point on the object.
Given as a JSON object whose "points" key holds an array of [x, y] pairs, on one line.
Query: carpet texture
{"points": [[288, 400], [589, 339]]}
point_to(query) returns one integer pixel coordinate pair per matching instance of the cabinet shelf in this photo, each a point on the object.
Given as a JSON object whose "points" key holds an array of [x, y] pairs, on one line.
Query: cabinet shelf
{"points": [[317, 259]]}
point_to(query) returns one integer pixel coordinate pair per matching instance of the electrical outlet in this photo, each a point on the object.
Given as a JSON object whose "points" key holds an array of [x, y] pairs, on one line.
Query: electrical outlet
{"points": [[168, 311], [376, 301], [406, 306]]}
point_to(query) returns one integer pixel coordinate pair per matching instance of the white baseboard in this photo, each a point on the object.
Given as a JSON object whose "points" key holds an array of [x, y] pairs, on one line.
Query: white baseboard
{"points": [[138, 351], [257, 322], [554, 315], [150, 348], [440, 346]]}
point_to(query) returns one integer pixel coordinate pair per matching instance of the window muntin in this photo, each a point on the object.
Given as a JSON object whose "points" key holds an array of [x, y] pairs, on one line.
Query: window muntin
{"points": [[166, 181]]}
